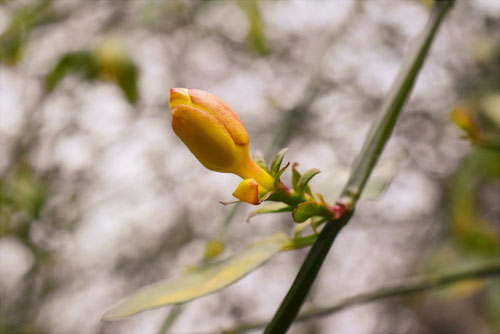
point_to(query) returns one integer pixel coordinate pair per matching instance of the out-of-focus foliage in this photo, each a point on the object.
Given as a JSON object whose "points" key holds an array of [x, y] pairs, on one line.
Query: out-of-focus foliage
{"points": [[213, 249], [256, 40], [202, 280], [109, 62], [22, 198], [13, 40], [472, 194]]}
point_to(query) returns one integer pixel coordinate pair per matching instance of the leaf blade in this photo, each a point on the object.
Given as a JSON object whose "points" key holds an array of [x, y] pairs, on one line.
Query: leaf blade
{"points": [[199, 281]]}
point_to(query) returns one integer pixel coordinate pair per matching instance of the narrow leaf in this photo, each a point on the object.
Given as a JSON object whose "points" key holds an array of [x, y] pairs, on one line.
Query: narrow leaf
{"points": [[295, 176], [278, 159], [304, 179], [199, 281], [270, 208]]}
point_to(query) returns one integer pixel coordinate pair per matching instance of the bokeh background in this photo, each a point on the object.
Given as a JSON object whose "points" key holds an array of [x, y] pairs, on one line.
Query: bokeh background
{"points": [[99, 198]]}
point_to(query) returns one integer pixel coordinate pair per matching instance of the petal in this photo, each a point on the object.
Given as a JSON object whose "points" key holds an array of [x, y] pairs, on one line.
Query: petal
{"points": [[218, 108], [248, 191], [178, 96], [206, 137]]}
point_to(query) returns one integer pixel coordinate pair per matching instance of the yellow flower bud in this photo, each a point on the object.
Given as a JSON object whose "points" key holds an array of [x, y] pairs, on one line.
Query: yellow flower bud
{"points": [[215, 135]]}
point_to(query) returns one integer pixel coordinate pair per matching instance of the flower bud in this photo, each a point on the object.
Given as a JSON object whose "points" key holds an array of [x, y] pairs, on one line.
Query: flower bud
{"points": [[215, 135]]}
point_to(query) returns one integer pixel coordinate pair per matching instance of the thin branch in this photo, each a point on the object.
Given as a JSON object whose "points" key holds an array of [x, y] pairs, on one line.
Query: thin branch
{"points": [[400, 90], [362, 168], [412, 285]]}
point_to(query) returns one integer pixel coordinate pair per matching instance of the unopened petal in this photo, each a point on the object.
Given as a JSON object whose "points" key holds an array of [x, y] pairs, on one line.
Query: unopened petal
{"points": [[178, 96], [219, 109], [248, 191], [206, 137]]}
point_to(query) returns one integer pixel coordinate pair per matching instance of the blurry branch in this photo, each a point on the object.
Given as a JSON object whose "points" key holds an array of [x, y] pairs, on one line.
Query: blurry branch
{"points": [[412, 285], [361, 171]]}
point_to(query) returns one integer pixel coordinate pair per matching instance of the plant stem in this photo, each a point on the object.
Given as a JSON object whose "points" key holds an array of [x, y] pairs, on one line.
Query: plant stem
{"points": [[362, 168], [412, 285], [400, 89], [307, 273]]}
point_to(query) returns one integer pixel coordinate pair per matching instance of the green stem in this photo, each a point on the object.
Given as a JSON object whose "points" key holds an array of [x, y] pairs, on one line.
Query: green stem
{"points": [[307, 273], [390, 110], [409, 286], [362, 168]]}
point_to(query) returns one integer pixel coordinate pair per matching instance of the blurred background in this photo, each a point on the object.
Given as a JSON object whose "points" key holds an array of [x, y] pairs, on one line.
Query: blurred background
{"points": [[99, 197]]}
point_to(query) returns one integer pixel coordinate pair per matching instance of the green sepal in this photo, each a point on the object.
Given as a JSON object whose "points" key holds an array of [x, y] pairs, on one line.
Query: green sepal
{"points": [[295, 176], [276, 164], [278, 175], [259, 160], [270, 208], [306, 210], [302, 184]]}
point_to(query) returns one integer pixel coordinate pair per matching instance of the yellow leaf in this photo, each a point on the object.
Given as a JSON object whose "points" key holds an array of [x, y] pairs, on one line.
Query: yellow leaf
{"points": [[199, 281]]}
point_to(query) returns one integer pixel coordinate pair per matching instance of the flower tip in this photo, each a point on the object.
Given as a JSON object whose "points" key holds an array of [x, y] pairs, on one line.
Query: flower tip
{"points": [[179, 96]]}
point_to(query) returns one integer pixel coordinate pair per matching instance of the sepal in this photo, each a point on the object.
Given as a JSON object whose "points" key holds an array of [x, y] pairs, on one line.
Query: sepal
{"points": [[278, 175], [276, 163], [302, 184]]}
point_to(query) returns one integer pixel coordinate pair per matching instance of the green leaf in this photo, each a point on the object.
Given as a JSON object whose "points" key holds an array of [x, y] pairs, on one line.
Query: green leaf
{"points": [[23, 20], [107, 62], [295, 176], [200, 281], [304, 180], [79, 62], [278, 159], [126, 79], [306, 210], [270, 208]]}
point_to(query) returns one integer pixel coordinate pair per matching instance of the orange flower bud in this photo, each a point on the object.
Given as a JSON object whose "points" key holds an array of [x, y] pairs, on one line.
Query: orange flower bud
{"points": [[216, 136]]}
